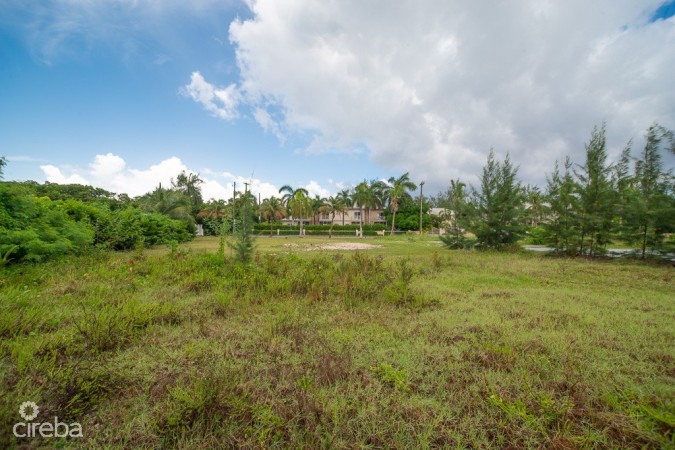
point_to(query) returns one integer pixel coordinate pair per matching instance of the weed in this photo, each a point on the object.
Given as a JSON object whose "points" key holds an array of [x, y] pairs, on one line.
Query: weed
{"points": [[392, 376]]}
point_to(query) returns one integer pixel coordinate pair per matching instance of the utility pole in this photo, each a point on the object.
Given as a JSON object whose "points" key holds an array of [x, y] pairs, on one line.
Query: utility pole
{"points": [[245, 211], [421, 200], [259, 218], [234, 196]]}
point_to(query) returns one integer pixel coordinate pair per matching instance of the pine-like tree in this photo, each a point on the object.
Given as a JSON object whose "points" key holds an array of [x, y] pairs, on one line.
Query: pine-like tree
{"points": [[499, 205], [561, 226], [623, 185], [458, 216], [596, 205], [652, 210], [243, 243]]}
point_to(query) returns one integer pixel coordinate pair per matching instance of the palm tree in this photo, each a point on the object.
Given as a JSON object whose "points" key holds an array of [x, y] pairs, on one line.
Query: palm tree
{"points": [[361, 197], [189, 184], [398, 187], [377, 190], [331, 206], [316, 204], [272, 209], [212, 215], [168, 202], [346, 200], [297, 202], [534, 204]]}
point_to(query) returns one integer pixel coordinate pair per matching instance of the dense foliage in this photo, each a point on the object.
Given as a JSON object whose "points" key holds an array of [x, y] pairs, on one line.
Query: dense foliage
{"points": [[43, 221]]}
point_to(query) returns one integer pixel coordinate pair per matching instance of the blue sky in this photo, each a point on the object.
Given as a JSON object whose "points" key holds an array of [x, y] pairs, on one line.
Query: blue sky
{"points": [[123, 94]]}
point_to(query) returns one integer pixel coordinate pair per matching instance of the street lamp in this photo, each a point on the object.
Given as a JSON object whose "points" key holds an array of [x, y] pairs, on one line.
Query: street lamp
{"points": [[421, 199]]}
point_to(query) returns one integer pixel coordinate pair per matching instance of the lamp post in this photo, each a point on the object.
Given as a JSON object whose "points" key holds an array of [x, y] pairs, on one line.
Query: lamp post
{"points": [[421, 200]]}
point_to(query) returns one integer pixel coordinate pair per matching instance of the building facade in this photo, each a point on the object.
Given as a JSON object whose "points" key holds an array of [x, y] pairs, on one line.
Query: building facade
{"points": [[352, 216]]}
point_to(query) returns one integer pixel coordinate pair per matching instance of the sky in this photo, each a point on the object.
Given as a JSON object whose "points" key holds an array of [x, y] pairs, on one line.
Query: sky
{"points": [[124, 94]]}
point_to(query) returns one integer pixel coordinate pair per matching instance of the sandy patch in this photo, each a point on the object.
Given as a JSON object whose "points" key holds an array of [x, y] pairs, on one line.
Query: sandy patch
{"points": [[334, 246], [347, 246]]}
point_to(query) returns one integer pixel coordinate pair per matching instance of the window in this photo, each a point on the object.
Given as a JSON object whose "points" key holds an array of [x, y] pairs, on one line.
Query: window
{"points": [[357, 215]]}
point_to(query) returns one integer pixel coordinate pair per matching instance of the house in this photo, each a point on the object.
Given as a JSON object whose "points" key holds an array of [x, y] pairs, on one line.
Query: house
{"points": [[351, 217]]}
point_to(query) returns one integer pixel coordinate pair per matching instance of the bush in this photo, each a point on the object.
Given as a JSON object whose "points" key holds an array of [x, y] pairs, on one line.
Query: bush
{"points": [[36, 228], [32, 229]]}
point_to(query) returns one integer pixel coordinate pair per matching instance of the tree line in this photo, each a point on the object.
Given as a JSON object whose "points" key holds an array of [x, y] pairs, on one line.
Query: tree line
{"points": [[583, 208], [296, 203]]}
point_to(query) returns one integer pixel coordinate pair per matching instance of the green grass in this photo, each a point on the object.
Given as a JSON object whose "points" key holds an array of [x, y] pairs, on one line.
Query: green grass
{"points": [[404, 346]]}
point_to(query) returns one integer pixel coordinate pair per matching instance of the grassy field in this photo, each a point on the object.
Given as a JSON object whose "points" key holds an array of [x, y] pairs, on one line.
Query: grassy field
{"points": [[406, 345]]}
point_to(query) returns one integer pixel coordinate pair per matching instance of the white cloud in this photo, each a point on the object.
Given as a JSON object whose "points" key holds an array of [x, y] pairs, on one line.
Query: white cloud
{"points": [[107, 166], [256, 186], [54, 175], [111, 172], [265, 120], [431, 86], [313, 188], [221, 102]]}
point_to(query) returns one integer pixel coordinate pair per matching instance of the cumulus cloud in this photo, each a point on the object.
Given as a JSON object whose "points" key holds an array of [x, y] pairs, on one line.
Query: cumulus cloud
{"points": [[111, 172], [431, 86], [313, 188], [221, 102], [54, 174]]}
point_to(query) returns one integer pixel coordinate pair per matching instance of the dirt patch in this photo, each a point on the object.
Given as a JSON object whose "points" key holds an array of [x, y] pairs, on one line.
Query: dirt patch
{"points": [[335, 246], [347, 246]]}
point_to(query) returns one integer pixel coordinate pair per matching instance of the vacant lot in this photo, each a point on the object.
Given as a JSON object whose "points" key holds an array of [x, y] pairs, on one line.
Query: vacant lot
{"points": [[404, 345]]}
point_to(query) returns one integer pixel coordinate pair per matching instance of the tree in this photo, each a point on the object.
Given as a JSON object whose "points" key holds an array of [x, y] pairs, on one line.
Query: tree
{"points": [[169, 202], [534, 200], [3, 163], [297, 203], [561, 226], [316, 204], [272, 209], [361, 197], [345, 199], [395, 190], [623, 185], [243, 243], [377, 190], [652, 211], [458, 215], [331, 206], [212, 215], [596, 196], [499, 205], [189, 184]]}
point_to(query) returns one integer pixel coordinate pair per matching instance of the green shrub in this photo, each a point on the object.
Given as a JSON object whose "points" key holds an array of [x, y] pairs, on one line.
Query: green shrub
{"points": [[32, 229]]}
